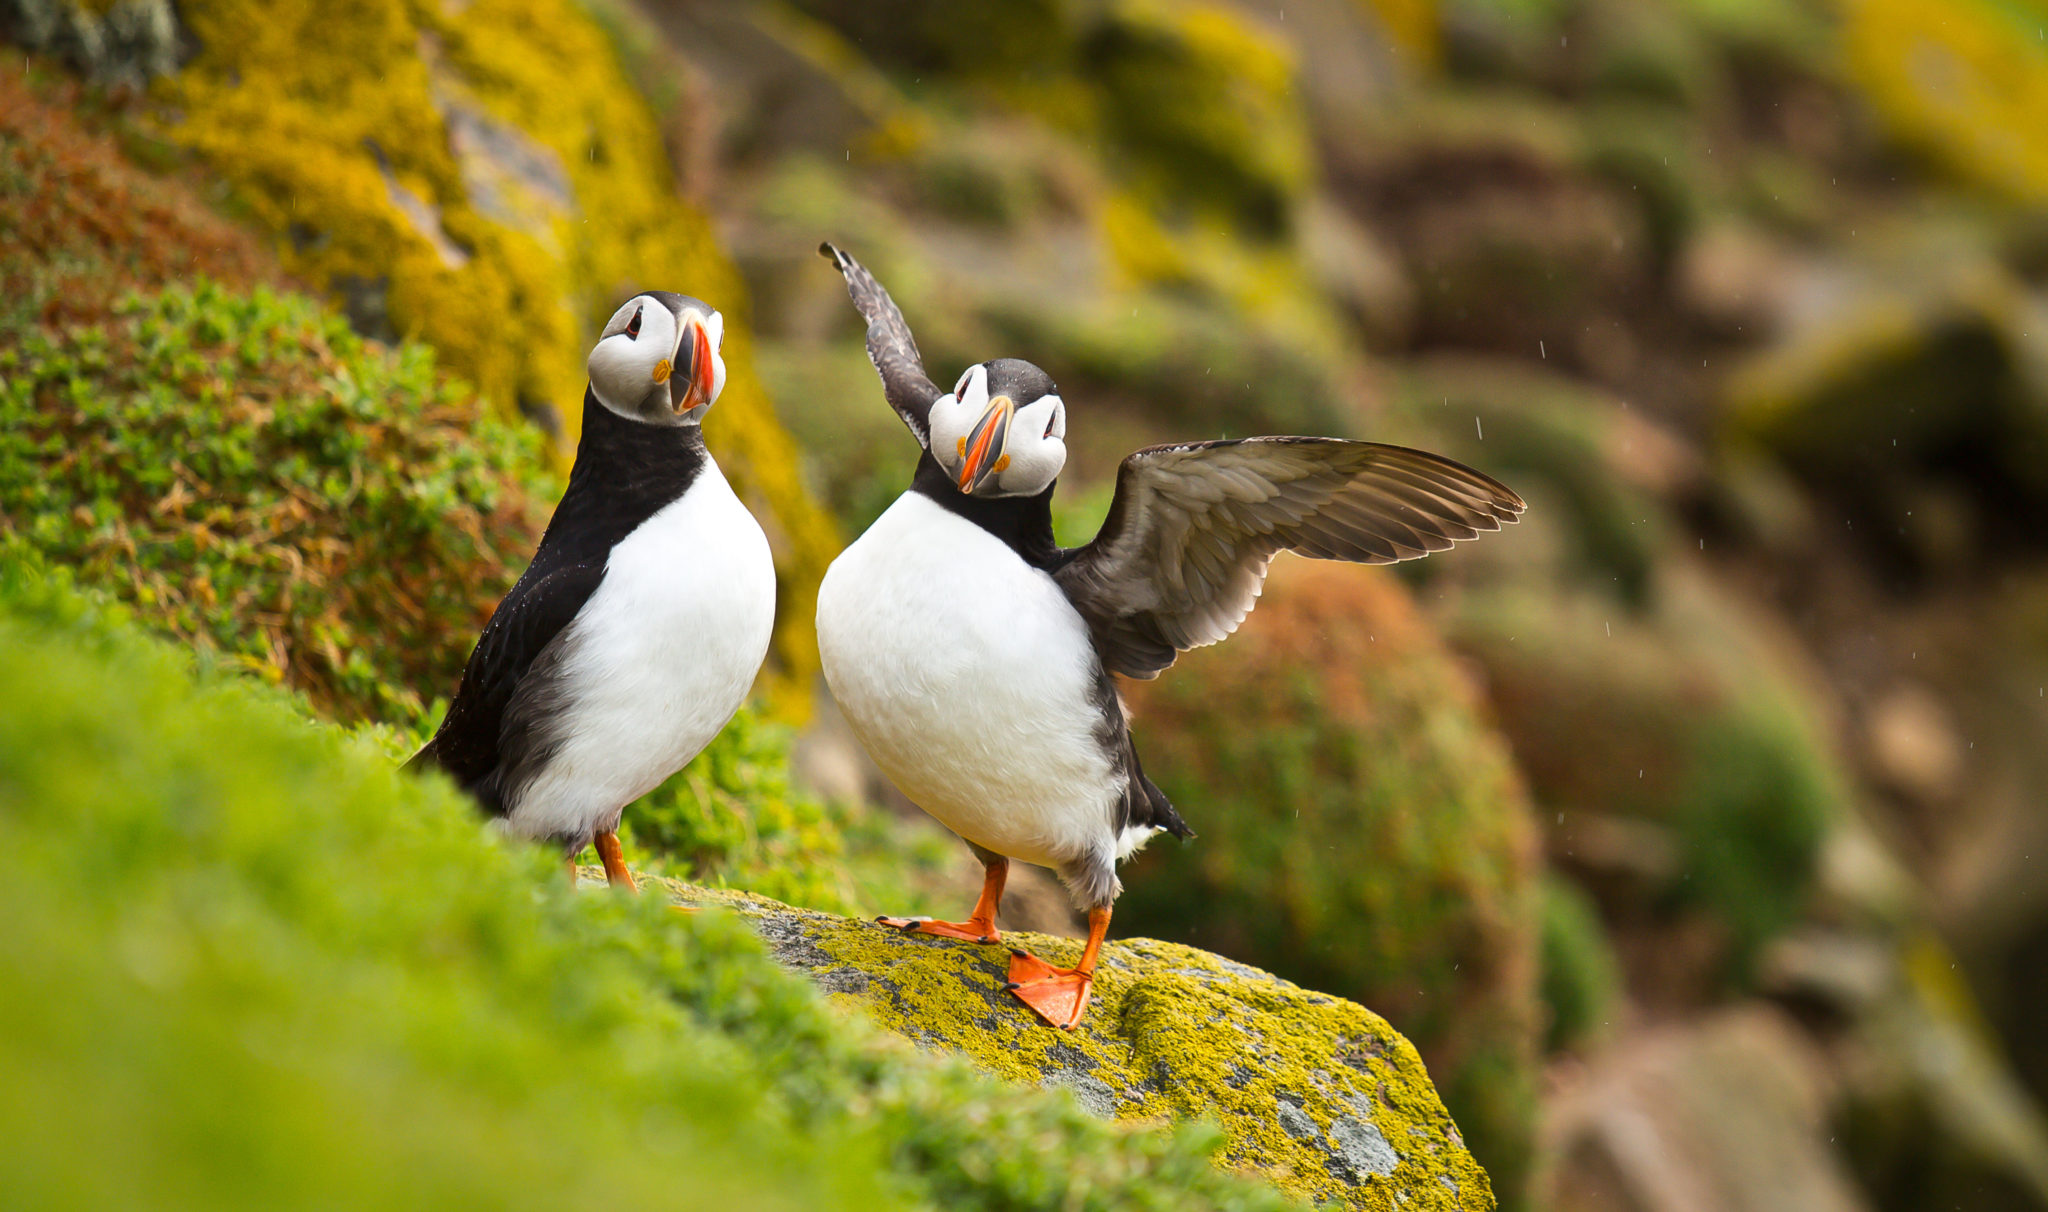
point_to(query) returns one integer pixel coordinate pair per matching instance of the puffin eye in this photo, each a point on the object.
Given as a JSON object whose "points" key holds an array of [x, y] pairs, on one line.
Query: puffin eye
{"points": [[633, 325], [960, 388]]}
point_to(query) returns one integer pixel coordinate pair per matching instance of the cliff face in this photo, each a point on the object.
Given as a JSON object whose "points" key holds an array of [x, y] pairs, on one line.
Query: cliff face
{"points": [[1313, 1092]]}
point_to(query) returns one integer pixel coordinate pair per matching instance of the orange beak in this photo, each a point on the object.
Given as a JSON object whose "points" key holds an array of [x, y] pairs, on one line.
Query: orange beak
{"points": [[703, 371], [981, 451]]}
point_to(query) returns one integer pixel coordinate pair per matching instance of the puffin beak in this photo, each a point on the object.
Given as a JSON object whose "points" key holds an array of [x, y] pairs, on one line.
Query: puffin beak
{"points": [[697, 391], [981, 451]]}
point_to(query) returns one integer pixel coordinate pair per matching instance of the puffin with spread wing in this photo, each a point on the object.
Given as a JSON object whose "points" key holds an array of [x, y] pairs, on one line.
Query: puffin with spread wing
{"points": [[973, 656]]}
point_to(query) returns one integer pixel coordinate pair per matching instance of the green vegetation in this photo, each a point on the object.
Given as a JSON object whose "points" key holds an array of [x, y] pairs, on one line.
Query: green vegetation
{"points": [[248, 473], [248, 965], [1581, 977]]}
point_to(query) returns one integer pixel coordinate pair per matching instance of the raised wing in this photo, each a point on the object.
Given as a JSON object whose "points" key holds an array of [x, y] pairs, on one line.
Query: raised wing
{"points": [[1183, 553], [890, 346], [468, 744]]}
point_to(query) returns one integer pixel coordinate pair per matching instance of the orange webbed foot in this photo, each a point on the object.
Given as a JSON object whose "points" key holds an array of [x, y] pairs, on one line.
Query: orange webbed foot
{"points": [[1057, 995], [971, 930]]}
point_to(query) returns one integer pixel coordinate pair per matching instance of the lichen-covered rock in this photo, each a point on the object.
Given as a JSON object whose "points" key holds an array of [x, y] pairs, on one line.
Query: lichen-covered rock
{"points": [[484, 178], [1316, 1093]]}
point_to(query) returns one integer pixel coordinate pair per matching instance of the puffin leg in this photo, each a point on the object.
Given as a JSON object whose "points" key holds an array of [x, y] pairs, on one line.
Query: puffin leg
{"points": [[1059, 995], [613, 856], [980, 926]]}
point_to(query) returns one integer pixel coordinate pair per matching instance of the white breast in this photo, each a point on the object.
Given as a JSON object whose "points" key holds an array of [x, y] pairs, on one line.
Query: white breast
{"points": [[659, 659], [967, 675]]}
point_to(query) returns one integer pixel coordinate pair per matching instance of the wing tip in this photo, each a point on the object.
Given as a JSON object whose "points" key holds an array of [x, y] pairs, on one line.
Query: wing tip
{"points": [[844, 263]]}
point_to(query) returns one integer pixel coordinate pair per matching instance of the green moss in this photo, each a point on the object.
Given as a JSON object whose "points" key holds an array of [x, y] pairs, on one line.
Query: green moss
{"points": [[297, 977], [249, 473], [1201, 103], [1581, 976], [485, 181], [1298, 1083], [735, 818], [1370, 837]]}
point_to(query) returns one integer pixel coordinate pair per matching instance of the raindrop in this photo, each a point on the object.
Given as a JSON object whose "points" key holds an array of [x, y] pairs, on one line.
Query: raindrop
{"points": [[1541, 350], [1480, 428]]}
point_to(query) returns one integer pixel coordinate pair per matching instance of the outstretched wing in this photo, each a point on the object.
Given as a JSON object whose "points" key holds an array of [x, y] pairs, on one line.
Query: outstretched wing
{"points": [[1183, 553], [469, 743], [890, 346]]}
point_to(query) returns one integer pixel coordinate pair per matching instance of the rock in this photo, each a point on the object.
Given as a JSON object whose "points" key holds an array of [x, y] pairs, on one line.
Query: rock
{"points": [[1318, 1094], [1912, 742], [122, 45], [1724, 1115], [1912, 395]]}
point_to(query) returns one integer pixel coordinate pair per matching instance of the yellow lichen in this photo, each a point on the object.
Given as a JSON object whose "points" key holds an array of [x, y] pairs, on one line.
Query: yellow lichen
{"points": [[1291, 1076], [1966, 81], [1413, 26], [487, 175]]}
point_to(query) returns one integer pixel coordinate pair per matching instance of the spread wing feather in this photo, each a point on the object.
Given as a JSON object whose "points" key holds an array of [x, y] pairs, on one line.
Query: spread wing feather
{"points": [[890, 346], [1183, 554]]}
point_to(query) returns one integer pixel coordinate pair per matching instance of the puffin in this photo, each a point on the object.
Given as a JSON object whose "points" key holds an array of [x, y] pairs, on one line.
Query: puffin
{"points": [[634, 635], [975, 659]]}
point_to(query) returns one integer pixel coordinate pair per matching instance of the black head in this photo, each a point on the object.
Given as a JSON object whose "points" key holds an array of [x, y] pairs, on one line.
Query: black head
{"points": [[657, 360], [1002, 432]]}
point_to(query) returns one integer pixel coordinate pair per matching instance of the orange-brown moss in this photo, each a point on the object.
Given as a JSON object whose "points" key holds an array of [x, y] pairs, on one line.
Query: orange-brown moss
{"points": [[82, 225]]}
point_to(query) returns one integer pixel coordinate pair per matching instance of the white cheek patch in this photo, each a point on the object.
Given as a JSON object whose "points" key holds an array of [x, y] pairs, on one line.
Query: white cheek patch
{"points": [[953, 417], [622, 368], [951, 422], [717, 372], [1036, 455]]}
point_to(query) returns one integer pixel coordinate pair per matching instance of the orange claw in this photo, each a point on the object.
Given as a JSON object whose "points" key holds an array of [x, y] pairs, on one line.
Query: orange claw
{"points": [[980, 926], [1059, 995]]}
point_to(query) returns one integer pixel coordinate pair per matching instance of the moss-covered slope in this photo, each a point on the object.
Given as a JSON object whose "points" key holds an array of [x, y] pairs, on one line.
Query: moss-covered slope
{"points": [[247, 965]]}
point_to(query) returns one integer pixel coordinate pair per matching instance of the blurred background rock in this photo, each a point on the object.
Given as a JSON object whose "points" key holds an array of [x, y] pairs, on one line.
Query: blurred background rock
{"points": [[1693, 829]]}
